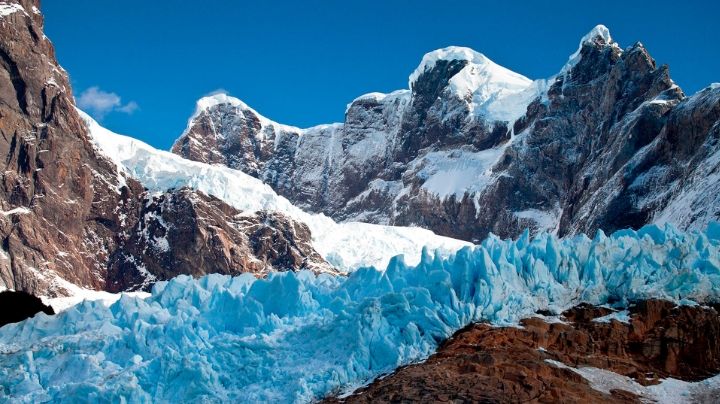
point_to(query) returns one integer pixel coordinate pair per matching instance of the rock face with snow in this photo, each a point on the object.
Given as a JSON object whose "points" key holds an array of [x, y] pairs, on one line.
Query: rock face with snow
{"points": [[58, 197], [69, 214], [471, 148], [545, 359], [187, 232], [347, 245]]}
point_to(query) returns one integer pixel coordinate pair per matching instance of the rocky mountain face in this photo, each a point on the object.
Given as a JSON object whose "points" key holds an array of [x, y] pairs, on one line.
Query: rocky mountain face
{"points": [[543, 361], [187, 232], [471, 148], [68, 215]]}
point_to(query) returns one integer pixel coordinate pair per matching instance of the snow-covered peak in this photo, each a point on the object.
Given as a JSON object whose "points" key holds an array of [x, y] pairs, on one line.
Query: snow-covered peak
{"points": [[599, 31], [492, 91], [448, 54], [485, 69], [209, 102]]}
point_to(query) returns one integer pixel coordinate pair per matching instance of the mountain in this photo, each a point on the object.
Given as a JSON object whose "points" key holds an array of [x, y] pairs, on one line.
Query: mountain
{"points": [[472, 148], [253, 299], [347, 246], [71, 217]]}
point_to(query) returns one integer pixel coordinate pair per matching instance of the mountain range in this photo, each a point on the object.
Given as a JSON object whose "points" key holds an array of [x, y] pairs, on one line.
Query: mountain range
{"points": [[507, 239], [471, 148]]}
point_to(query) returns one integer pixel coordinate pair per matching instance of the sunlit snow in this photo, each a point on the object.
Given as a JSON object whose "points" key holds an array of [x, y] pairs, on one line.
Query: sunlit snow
{"points": [[347, 245]]}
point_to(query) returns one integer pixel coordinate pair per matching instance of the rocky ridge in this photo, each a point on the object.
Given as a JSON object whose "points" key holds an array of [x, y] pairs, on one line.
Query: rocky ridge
{"points": [[69, 215], [543, 360], [471, 148]]}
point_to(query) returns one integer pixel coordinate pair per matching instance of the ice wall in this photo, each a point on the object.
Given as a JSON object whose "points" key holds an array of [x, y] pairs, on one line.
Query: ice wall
{"points": [[298, 337]]}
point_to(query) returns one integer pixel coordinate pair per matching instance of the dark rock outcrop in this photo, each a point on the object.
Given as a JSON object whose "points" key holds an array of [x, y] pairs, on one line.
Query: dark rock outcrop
{"points": [[608, 143], [481, 363], [18, 306], [190, 233], [67, 214]]}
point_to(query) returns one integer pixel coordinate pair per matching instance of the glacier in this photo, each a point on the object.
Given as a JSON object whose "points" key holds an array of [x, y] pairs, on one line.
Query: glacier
{"points": [[298, 336]]}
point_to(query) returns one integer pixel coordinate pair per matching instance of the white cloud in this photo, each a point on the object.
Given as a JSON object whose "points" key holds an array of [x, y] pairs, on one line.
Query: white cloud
{"points": [[99, 103], [216, 92], [129, 108]]}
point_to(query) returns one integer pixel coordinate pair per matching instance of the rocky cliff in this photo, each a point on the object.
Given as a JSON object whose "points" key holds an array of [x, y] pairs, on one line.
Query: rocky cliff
{"points": [[471, 148], [187, 232], [69, 215], [588, 354]]}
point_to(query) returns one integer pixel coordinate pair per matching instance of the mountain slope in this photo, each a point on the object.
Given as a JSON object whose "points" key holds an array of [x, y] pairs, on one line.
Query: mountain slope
{"points": [[347, 245], [472, 148], [71, 219], [653, 352], [58, 198]]}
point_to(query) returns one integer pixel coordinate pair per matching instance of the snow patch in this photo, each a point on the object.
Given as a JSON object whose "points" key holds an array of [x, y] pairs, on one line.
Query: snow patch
{"points": [[10, 8], [76, 294], [380, 97], [21, 210], [670, 391], [544, 220], [456, 172], [622, 316]]}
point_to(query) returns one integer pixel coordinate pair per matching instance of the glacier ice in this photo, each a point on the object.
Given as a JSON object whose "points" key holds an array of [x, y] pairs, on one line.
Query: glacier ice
{"points": [[299, 336]]}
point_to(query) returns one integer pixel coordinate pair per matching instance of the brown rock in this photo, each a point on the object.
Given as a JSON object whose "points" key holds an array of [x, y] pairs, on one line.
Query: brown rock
{"points": [[481, 363], [68, 215], [186, 232]]}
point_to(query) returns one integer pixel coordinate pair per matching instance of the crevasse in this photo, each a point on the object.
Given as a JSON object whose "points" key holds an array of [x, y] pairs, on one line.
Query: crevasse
{"points": [[298, 337]]}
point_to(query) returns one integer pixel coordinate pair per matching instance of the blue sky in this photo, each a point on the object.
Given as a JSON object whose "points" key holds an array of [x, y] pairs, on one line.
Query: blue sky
{"points": [[145, 63]]}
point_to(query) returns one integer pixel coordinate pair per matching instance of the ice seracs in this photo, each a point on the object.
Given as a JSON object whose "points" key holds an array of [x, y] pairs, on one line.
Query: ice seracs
{"points": [[297, 337]]}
